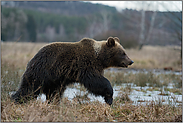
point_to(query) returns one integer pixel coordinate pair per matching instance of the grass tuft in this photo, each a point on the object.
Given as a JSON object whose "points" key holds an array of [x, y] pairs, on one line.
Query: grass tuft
{"points": [[15, 56]]}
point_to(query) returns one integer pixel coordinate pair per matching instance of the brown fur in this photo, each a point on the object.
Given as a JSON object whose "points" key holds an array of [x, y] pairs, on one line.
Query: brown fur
{"points": [[58, 64]]}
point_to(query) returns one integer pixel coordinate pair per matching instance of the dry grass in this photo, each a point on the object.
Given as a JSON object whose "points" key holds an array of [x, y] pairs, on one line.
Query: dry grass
{"points": [[122, 109], [67, 111], [15, 56], [159, 57], [18, 54]]}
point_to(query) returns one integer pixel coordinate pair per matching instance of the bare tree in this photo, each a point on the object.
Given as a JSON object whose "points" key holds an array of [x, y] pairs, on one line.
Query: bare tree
{"points": [[106, 19], [152, 22], [50, 33], [176, 21], [142, 27], [94, 28], [98, 26], [142, 39]]}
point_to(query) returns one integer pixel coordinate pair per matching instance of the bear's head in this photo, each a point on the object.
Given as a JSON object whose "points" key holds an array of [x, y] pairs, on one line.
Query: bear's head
{"points": [[112, 54]]}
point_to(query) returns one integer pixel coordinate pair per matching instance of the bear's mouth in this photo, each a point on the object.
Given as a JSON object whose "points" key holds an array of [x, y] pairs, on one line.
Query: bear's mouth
{"points": [[124, 65]]}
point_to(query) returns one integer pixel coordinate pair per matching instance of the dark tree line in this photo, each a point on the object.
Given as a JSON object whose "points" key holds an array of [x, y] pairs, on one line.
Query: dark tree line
{"points": [[31, 28], [45, 25]]}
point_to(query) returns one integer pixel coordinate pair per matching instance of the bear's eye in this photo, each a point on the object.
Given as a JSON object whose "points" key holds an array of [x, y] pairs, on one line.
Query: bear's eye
{"points": [[124, 54]]}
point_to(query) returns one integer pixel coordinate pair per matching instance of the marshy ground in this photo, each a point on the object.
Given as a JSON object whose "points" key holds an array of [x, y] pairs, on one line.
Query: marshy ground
{"points": [[146, 76]]}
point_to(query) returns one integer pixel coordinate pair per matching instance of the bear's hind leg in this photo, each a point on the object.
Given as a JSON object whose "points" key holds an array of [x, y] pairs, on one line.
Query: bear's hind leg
{"points": [[55, 95], [28, 90], [24, 94]]}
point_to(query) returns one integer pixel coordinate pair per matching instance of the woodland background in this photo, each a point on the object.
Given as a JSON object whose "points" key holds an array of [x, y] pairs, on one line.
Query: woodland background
{"points": [[45, 21]]}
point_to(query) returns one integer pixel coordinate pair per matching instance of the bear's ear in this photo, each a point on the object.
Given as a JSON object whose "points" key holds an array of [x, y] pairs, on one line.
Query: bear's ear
{"points": [[110, 42], [117, 39]]}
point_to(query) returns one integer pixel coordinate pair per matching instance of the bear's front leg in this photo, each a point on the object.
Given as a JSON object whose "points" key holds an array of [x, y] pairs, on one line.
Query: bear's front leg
{"points": [[98, 85]]}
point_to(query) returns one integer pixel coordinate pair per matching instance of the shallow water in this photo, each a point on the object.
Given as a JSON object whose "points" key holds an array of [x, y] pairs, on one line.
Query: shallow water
{"points": [[138, 97], [134, 71]]}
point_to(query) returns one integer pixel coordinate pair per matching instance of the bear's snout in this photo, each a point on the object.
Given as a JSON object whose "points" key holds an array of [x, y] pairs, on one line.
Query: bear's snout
{"points": [[125, 64], [131, 62]]}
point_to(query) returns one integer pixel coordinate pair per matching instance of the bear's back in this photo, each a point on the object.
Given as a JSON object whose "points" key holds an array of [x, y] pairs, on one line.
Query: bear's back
{"points": [[67, 52], [85, 45]]}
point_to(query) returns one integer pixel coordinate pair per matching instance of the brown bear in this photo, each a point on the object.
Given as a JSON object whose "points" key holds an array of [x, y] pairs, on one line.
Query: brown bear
{"points": [[58, 64]]}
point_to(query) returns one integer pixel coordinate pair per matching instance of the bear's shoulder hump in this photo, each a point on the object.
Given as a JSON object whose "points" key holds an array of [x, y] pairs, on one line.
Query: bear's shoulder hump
{"points": [[87, 41]]}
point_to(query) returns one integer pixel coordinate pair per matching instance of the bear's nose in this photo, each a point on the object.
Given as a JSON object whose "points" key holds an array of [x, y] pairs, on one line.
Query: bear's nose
{"points": [[131, 62]]}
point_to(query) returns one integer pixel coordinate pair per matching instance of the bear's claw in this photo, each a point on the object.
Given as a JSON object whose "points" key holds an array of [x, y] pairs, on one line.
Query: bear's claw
{"points": [[109, 101]]}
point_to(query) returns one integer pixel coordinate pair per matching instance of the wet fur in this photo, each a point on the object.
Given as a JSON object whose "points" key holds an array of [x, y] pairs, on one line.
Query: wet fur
{"points": [[59, 64]]}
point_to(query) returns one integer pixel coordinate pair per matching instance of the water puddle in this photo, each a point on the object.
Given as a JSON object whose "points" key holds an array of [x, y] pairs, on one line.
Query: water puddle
{"points": [[135, 71], [136, 95]]}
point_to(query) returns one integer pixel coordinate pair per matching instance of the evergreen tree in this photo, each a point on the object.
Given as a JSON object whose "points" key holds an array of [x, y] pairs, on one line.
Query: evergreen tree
{"points": [[31, 28]]}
